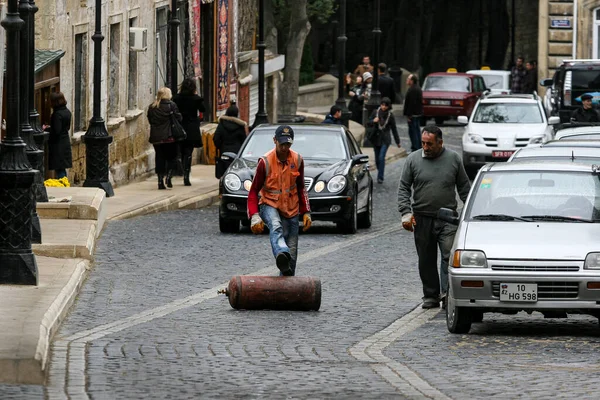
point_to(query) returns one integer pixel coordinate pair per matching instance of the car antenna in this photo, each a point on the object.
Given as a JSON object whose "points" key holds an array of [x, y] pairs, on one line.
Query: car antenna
{"points": [[572, 155]]}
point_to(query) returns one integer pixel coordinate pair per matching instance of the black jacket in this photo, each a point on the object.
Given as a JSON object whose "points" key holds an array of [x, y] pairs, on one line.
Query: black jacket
{"points": [[530, 81], [190, 105], [581, 115], [59, 141], [384, 136], [386, 87], [160, 121], [330, 119], [413, 101], [230, 134]]}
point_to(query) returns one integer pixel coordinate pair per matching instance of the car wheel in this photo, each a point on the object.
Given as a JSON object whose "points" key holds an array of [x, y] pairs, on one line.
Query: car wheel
{"points": [[476, 316], [439, 121], [365, 219], [350, 226], [229, 225], [458, 319]]}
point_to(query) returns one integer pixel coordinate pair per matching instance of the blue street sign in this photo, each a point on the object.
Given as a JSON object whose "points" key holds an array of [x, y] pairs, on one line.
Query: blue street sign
{"points": [[560, 23]]}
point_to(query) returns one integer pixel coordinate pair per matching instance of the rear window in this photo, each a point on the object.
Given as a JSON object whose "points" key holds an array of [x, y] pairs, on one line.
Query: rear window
{"points": [[585, 80], [447, 84]]}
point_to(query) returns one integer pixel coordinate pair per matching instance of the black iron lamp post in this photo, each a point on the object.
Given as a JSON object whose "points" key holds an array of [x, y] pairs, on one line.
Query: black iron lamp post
{"points": [[261, 115], [17, 261], [342, 39], [333, 69], [96, 138], [375, 98], [34, 155], [174, 23]]}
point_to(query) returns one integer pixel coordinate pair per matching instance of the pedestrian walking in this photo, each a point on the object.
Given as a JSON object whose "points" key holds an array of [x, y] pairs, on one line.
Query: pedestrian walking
{"points": [[430, 177], [191, 107], [365, 66], [586, 113], [279, 179], [385, 83], [384, 123], [334, 117], [413, 110], [357, 100], [59, 142], [165, 146], [517, 75], [229, 137]]}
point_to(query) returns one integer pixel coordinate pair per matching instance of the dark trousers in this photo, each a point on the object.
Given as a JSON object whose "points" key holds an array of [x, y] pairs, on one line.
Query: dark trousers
{"points": [[431, 233], [166, 155], [187, 149], [414, 134]]}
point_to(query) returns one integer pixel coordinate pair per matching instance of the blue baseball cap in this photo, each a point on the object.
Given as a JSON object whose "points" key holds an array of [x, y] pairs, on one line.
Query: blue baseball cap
{"points": [[284, 134]]}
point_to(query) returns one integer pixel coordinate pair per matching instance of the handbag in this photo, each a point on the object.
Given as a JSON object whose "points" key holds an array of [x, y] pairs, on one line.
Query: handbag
{"points": [[372, 134], [177, 131]]}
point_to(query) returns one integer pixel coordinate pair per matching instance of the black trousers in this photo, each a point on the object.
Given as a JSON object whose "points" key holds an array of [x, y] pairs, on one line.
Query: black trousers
{"points": [[166, 155], [431, 234]]}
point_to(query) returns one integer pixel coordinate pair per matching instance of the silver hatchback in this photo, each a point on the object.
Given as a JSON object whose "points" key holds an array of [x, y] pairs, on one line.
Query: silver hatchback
{"points": [[528, 239]]}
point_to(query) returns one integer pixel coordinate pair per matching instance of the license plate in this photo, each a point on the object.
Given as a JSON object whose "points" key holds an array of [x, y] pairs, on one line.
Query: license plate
{"points": [[502, 154], [525, 292], [440, 102]]}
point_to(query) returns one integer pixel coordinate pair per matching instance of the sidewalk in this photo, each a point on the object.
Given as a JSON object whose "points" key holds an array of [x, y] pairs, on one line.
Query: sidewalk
{"points": [[31, 315]]}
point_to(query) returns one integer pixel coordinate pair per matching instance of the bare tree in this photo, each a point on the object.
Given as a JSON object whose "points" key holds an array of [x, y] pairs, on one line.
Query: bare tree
{"points": [[247, 14]]}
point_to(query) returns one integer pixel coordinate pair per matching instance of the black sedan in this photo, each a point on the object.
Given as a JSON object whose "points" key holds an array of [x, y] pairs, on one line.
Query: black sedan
{"points": [[336, 175]]}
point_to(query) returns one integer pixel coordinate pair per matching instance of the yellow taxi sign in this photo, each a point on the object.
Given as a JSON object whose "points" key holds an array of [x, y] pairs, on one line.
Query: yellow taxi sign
{"points": [[485, 68], [451, 70]]}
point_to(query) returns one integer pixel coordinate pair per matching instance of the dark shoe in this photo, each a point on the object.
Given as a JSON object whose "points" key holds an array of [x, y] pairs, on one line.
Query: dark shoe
{"points": [[379, 180], [283, 263], [161, 184], [169, 176], [430, 303], [186, 179]]}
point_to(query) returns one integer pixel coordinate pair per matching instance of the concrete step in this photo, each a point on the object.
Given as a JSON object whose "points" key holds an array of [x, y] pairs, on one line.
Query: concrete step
{"points": [[74, 203], [67, 238]]}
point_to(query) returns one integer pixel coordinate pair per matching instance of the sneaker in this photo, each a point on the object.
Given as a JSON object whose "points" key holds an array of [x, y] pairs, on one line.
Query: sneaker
{"points": [[430, 303], [283, 263], [379, 180]]}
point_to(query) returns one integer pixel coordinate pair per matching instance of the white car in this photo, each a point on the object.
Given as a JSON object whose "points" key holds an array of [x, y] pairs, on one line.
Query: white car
{"points": [[501, 124], [497, 81]]}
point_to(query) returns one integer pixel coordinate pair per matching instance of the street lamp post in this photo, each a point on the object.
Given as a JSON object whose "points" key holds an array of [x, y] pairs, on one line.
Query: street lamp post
{"points": [[174, 23], [342, 39], [261, 115], [375, 97], [96, 138], [17, 261], [333, 69], [34, 155]]}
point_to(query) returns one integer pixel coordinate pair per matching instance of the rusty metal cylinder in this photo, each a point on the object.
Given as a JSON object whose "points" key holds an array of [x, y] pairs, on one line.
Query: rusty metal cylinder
{"points": [[294, 293]]}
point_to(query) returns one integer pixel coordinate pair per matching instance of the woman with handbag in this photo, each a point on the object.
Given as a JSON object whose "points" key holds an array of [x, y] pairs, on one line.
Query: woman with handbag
{"points": [[191, 106], [384, 122], [160, 116], [229, 136]]}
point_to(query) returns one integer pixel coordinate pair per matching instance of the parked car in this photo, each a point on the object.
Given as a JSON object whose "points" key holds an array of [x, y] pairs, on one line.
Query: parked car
{"points": [[572, 79], [450, 94], [573, 143], [527, 240], [501, 124], [589, 155], [336, 175], [497, 81], [577, 131]]}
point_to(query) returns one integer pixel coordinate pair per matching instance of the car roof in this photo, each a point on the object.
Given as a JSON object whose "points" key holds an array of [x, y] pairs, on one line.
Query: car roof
{"points": [[567, 130], [581, 63], [451, 74], [509, 98], [572, 143], [570, 152], [302, 126], [537, 166], [488, 72]]}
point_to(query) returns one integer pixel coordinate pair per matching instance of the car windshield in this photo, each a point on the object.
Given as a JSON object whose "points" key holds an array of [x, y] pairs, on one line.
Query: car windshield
{"points": [[536, 195], [447, 83], [508, 113], [311, 144], [494, 81]]}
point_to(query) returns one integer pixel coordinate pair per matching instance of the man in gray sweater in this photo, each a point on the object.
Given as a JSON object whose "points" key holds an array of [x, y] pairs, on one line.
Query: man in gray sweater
{"points": [[432, 176]]}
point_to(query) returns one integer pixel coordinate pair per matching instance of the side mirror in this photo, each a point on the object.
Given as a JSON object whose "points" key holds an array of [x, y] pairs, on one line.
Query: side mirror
{"points": [[463, 120], [447, 215], [553, 120], [360, 159], [228, 156], [546, 82]]}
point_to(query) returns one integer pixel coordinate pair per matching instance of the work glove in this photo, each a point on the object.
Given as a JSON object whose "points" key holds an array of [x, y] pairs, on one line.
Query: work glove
{"points": [[257, 226], [306, 221], [408, 222]]}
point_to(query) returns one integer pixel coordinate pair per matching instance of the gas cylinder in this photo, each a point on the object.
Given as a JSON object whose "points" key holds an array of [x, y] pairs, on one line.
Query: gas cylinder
{"points": [[295, 293]]}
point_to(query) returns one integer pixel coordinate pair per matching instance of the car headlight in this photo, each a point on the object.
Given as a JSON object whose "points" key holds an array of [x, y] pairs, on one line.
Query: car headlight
{"points": [[475, 139], [469, 259], [537, 139], [336, 184], [592, 261], [319, 186], [232, 182]]}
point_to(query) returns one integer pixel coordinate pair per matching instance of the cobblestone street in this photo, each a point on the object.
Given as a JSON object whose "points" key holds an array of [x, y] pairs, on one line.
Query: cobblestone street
{"points": [[149, 323]]}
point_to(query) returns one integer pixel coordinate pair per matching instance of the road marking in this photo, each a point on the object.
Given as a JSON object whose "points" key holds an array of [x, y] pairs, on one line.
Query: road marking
{"points": [[69, 359], [397, 374]]}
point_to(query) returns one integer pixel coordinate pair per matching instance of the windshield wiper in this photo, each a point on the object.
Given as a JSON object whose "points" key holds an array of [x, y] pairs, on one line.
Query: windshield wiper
{"points": [[557, 218], [500, 217]]}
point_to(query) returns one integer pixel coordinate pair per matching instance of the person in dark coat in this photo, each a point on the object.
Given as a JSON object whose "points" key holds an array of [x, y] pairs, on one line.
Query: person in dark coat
{"points": [[586, 113], [191, 106], [59, 143], [530, 80], [413, 110], [385, 83], [356, 101], [229, 136], [165, 147], [334, 117], [384, 121]]}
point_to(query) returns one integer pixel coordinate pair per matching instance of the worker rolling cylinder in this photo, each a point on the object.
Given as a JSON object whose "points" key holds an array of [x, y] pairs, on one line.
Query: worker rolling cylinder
{"points": [[295, 293]]}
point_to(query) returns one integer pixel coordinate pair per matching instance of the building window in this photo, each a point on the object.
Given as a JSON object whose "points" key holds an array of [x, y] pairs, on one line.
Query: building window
{"points": [[596, 34], [114, 70], [133, 77], [81, 83], [162, 31]]}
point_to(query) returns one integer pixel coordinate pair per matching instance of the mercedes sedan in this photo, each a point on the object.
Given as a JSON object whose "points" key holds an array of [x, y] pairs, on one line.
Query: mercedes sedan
{"points": [[336, 176]]}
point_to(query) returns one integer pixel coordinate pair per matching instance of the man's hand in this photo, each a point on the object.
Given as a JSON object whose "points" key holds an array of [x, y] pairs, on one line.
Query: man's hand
{"points": [[408, 222], [257, 226], [351, 93], [376, 119], [409, 119], [306, 221]]}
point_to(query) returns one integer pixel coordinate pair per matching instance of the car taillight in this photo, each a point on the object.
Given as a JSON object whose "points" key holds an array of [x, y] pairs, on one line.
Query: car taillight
{"points": [[458, 103], [567, 98], [425, 102]]}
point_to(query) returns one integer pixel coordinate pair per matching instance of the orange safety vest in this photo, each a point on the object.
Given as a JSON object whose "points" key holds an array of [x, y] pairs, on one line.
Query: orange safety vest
{"points": [[279, 190]]}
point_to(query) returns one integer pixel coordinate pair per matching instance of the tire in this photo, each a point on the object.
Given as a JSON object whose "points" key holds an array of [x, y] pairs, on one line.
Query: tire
{"points": [[350, 226], [366, 218], [228, 225], [439, 121], [476, 316], [458, 319]]}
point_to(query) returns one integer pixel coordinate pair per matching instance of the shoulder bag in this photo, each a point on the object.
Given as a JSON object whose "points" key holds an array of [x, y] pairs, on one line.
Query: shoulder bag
{"points": [[177, 131]]}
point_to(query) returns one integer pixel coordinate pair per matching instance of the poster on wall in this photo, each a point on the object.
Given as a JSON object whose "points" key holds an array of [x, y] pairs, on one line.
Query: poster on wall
{"points": [[223, 55], [194, 11]]}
